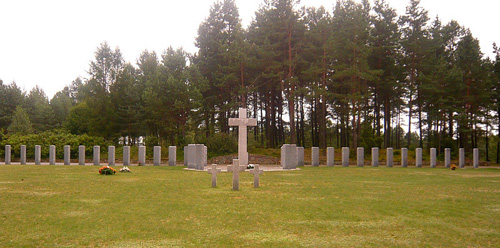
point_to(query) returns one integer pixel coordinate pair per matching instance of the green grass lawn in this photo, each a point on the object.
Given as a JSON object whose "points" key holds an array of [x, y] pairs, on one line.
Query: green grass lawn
{"points": [[66, 206]]}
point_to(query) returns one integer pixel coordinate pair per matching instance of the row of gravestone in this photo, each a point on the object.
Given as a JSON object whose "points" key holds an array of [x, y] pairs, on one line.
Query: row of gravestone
{"points": [[293, 156], [172, 150]]}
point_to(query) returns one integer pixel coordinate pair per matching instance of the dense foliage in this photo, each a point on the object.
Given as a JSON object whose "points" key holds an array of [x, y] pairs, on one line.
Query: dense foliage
{"points": [[358, 75]]}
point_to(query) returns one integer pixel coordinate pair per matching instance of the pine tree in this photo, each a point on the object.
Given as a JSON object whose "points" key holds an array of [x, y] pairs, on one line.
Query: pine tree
{"points": [[20, 122]]}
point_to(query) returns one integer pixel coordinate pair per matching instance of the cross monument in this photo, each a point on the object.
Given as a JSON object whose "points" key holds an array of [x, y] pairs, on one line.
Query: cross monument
{"points": [[236, 168], [214, 171], [242, 122], [256, 172]]}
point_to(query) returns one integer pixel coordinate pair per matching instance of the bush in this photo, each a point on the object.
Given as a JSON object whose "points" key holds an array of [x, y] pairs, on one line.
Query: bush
{"points": [[221, 144]]}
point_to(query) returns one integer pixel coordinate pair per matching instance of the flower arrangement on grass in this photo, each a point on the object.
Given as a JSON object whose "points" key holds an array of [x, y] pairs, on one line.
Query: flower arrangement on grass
{"points": [[250, 166], [453, 167], [125, 169], [106, 170]]}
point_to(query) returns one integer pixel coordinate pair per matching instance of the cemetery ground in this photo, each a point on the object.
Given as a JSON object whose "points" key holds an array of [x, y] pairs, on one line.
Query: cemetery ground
{"points": [[68, 206]]}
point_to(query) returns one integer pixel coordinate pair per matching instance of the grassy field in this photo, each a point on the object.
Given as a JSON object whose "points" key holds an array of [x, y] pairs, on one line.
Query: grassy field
{"points": [[68, 206]]}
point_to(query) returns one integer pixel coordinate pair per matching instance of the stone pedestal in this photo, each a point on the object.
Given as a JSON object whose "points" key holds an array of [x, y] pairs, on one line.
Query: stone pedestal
{"points": [[461, 157], [23, 154], [475, 155], [52, 155], [315, 156], [204, 158], [111, 155], [404, 157], [185, 156], [389, 157], [97, 155], [142, 155], [375, 156], [172, 155], [330, 156], [67, 155], [289, 156], [433, 157], [157, 155], [360, 155], [8, 154], [81, 155], [300, 156], [195, 158], [345, 156], [447, 157], [38, 155], [418, 157], [126, 156]]}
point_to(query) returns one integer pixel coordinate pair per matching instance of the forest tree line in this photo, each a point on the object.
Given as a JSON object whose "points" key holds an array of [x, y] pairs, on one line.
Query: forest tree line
{"points": [[311, 76]]}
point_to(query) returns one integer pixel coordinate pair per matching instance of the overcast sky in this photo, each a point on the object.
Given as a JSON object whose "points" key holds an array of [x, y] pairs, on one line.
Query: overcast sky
{"points": [[50, 43]]}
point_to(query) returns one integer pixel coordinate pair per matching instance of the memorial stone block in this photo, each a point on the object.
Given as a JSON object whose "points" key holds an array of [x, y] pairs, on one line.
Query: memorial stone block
{"points": [[142, 155], [111, 155], [126, 156], [315, 156], [389, 157], [433, 157], [461, 158], [172, 155], [8, 154], [345, 156], [418, 157], [81, 155], [256, 172], [330, 156], [67, 154], [375, 156], [52, 155], [156, 155], [23, 154], [38, 155], [300, 156], [360, 152], [447, 157], [475, 155], [97, 155], [404, 157]]}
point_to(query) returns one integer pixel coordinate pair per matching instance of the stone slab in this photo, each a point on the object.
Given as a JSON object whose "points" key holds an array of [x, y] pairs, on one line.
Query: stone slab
{"points": [[345, 156], [172, 155], [418, 157], [8, 154], [389, 157], [38, 155], [23, 154], [300, 156], [360, 156], [433, 157], [375, 156], [81, 155], [67, 154], [142, 155], [111, 155], [404, 157], [315, 156], [461, 157], [157, 155], [97, 155], [447, 157], [126, 156], [475, 156], [330, 156], [52, 155]]}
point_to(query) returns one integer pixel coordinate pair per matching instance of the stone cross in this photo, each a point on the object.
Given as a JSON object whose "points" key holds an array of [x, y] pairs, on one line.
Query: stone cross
{"points": [[256, 172], [242, 122], [236, 168], [214, 171]]}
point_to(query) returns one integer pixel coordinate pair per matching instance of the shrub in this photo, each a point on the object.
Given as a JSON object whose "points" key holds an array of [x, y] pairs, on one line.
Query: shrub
{"points": [[221, 144]]}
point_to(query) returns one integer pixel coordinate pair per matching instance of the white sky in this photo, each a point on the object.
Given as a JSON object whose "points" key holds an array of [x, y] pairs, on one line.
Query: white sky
{"points": [[50, 43]]}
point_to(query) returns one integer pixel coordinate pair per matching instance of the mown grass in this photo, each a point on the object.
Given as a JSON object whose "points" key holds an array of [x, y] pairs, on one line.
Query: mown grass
{"points": [[68, 206]]}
